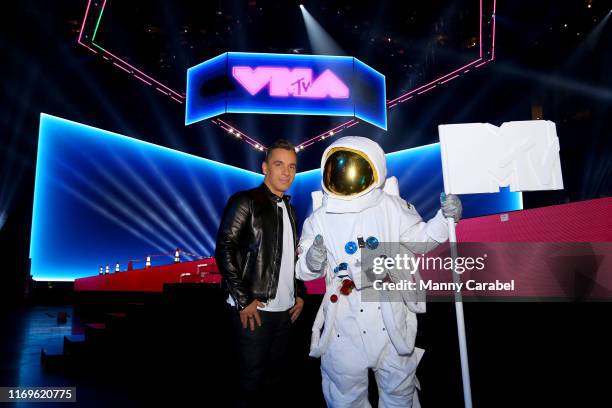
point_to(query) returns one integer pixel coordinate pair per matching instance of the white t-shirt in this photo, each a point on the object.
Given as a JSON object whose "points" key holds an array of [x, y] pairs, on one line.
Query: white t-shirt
{"points": [[285, 296]]}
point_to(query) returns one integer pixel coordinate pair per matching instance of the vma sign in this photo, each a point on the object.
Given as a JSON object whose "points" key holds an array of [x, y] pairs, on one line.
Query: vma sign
{"points": [[297, 82], [237, 82]]}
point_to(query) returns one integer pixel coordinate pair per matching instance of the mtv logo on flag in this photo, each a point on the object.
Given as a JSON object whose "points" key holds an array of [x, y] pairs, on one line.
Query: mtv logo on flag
{"points": [[481, 158]]}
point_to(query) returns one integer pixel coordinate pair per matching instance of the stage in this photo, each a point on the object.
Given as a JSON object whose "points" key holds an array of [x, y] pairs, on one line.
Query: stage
{"points": [[127, 127], [177, 350]]}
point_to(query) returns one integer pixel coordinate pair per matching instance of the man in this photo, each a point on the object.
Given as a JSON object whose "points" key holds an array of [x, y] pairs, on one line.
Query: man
{"points": [[256, 255], [360, 207]]}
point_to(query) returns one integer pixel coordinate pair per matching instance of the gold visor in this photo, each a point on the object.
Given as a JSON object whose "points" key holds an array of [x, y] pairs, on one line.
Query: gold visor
{"points": [[348, 172]]}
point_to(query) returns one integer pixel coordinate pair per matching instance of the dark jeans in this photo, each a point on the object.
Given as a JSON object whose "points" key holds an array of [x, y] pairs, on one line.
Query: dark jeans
{"points": [[262, 355]]}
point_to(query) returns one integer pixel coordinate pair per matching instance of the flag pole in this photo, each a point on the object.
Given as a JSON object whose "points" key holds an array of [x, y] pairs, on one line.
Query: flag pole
{"points": [[465, 369], [520, 145]]}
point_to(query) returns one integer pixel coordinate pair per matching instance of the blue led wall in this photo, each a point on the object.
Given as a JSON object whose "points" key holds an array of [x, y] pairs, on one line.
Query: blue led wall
{"points": [[102, 198], [242, 82]]}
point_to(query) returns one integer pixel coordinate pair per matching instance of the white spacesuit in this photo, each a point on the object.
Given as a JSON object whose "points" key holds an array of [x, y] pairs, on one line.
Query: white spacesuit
{"points": [[359, 206]]}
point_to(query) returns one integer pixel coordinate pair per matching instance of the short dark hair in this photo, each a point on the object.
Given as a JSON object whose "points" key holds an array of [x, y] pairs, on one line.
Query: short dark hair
{"points": [[279, 144]]}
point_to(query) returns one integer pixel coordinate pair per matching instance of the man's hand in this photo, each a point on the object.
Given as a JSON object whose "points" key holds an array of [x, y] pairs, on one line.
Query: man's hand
{"points": [[296, 309], [316, 255], [249, 315], [451, 206]]}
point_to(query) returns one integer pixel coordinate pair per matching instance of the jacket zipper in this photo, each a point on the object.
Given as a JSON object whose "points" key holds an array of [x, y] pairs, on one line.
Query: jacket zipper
{"points": [[269, 291], [294, 235]]}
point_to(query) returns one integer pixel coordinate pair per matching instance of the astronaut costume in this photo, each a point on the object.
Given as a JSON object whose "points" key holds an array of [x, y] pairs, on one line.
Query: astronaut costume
{"points": [[359, 206]]}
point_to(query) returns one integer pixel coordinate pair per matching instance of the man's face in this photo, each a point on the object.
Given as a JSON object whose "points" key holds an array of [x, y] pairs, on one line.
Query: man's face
{"points": [[280, 170]]}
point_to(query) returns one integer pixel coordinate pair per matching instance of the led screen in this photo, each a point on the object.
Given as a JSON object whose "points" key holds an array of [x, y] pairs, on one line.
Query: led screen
{"points": [[102, 198]]}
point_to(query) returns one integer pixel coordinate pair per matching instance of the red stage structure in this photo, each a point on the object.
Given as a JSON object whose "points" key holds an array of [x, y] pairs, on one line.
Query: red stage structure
{"points": [[584, 221], [152, 279]]}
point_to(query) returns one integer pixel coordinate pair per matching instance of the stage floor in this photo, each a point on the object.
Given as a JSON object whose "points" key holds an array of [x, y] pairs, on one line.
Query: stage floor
{"points": [[177, 350]]}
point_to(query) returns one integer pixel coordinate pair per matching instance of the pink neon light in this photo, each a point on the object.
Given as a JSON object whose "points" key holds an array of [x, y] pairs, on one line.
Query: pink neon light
{"points": [[253, 141], [450, 79], [400, 99], [326, 133], [240, 135], [450, 73], [328, 84], [493, 46], [181, 96], [428, 89], [409, 95], [135, 69], [90, 49], [114, 56], [119, 66], [254, 80], [227, 129], [480, 21], [143, 74], [83, 25], [284, 82], [432, 82], [146, 82]]}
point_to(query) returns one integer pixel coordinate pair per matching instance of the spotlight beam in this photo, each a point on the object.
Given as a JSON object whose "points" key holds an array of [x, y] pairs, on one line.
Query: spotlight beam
{"points": [[154, 199], [587, 45], [108, 198], [321, 42], [555, 80], [128, 195], [104, 212], [171, 214]]}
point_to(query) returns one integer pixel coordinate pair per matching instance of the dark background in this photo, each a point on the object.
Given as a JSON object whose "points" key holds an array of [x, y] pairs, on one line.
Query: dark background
{"points": [[553, 56]]}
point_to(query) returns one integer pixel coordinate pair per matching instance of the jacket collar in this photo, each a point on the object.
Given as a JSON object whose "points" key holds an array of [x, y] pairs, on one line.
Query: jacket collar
{"points": [[273, 197]]}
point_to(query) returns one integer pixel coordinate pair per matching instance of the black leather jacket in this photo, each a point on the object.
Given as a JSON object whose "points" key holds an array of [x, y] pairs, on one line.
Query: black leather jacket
{"points": [[249, 245]]}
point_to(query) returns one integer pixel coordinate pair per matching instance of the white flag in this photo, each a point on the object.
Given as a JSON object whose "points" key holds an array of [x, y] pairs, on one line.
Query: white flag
{"points": [[481, 158]]}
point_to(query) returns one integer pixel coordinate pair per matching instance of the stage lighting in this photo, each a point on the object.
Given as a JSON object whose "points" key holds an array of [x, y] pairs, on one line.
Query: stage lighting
{"points": [[151, 198], [148, 199], [321, 42]]}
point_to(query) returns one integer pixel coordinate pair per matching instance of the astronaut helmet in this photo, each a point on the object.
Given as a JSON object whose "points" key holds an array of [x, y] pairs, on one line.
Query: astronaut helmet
{"points": [[352, 166]]}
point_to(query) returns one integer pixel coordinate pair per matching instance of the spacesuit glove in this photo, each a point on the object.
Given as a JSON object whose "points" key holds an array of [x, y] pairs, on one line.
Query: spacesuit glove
{"points": [[316, 255], [451, 206]]}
